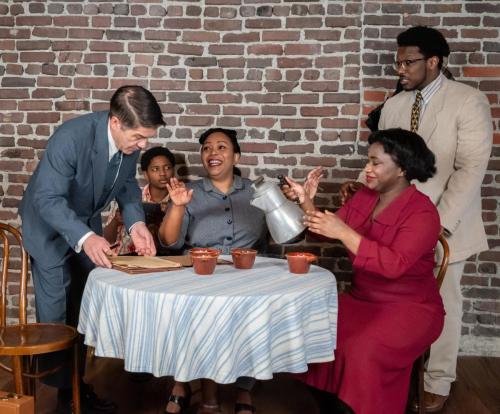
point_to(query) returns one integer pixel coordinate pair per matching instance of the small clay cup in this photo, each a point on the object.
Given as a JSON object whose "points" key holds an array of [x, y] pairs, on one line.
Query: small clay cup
{"points": [[204, 260], [299, 262], [243, 258], [196, 251]]}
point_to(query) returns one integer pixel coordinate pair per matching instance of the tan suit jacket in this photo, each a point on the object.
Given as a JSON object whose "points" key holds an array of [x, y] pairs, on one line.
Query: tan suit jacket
{"points": [[457, 127]]}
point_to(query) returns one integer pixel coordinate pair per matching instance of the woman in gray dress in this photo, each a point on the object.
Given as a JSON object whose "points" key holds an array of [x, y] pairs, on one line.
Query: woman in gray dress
{"points": [[214, 212]]}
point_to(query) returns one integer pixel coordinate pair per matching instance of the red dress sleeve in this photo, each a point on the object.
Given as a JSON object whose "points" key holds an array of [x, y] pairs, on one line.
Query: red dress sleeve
{"points": [[417, 234]]}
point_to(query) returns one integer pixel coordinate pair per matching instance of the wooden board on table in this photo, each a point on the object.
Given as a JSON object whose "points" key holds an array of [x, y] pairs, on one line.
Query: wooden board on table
{"points": [[184, 261], [143, 264]]}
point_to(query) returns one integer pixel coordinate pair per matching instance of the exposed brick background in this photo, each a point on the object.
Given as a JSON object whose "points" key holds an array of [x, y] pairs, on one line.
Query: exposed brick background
{"points": [[295, 78]]}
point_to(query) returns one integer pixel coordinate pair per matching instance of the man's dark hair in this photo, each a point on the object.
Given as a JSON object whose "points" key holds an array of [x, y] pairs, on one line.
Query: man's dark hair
{"points": [[136, 107], [431, 42], [408, 150], [230, 133], [155, 152]]}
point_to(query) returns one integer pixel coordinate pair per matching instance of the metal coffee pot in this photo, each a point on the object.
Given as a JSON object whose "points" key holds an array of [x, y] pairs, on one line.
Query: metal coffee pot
{"points": [[283, 217]]}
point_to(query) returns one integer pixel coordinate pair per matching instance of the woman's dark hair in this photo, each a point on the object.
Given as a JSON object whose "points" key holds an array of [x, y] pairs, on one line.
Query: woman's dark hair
{"points": [[230, 133], [155, 152], [408, 150], [136, 107], [430, 42]]}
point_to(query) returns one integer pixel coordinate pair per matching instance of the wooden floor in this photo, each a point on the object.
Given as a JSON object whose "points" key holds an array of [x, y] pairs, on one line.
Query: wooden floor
{"points": [[477, 390]]}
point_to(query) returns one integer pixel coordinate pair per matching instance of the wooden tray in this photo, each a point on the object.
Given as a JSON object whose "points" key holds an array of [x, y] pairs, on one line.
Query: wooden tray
{"points": [[140, 264]]}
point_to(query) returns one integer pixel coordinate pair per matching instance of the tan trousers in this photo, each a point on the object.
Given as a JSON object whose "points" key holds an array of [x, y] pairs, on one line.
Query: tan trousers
{"points": [[442, 363]]}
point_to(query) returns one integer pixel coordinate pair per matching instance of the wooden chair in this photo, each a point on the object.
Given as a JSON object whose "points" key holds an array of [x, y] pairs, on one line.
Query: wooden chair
{"points": [[23, 341], [420, 362]]}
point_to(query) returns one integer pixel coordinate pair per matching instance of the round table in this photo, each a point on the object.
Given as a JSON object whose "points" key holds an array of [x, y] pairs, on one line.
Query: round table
{"points": [[230, 324]]}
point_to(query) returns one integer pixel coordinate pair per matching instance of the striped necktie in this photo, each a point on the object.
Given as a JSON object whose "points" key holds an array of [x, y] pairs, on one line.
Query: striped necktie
{"points": [[415, 112]]}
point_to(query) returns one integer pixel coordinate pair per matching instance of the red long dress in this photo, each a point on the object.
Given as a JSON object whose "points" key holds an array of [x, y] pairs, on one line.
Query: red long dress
{"points": [[394, 311]]}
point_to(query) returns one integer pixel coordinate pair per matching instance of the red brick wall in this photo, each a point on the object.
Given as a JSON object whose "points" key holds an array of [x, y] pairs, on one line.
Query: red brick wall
{"points": [[296, 79]]}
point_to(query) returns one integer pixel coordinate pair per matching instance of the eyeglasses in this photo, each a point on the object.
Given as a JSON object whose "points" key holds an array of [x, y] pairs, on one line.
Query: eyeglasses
{"points": [[405, 64]]}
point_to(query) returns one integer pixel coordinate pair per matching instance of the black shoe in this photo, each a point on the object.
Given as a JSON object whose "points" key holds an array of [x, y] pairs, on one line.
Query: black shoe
{"points": [[90, 399], [90, 403]]}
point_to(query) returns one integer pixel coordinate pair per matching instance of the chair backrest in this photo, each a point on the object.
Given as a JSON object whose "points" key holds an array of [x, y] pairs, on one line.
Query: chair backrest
{"points": [[11, 240], [443, 267]]}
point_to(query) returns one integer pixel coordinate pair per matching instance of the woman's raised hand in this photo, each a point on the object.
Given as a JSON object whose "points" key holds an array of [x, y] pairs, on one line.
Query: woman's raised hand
{"points": [[312, 181], [294, 191], [178, 192]]}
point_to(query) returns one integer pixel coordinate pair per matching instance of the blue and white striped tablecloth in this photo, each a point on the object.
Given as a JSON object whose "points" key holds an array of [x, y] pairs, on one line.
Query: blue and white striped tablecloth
{"points": [[233, 323]]}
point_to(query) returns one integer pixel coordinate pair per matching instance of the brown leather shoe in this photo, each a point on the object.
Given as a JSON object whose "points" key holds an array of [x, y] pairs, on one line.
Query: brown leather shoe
{"points": [[433, 402]]}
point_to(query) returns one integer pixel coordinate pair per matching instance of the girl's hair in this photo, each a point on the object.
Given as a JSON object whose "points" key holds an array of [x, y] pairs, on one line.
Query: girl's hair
{"points": [[155, 152]]}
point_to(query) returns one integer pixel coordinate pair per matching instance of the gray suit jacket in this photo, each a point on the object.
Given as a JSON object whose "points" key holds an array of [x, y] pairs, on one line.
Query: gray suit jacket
{"points": [[60, 203], [457, 127]]}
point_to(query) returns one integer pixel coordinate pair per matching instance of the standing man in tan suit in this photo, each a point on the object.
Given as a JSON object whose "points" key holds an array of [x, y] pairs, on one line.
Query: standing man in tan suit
{"points": [[454, 120]]}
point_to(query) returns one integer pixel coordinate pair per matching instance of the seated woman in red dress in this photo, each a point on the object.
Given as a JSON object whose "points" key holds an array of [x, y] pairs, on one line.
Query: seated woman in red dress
{"points": [[394, 311]]}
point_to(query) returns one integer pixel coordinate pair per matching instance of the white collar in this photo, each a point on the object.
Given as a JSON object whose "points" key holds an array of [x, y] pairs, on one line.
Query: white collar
{"points": [[431, 88], [112, 148]]}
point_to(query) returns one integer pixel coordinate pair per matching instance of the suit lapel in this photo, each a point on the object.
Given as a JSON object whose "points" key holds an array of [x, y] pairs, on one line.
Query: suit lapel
{"points": [[431, 113], [401, 117], [100, 157]]}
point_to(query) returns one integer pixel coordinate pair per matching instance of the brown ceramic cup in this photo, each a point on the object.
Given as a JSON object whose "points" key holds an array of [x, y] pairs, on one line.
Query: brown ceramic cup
{"points": [[204, 260], [196, 251], [243, 258], [299, 262]]}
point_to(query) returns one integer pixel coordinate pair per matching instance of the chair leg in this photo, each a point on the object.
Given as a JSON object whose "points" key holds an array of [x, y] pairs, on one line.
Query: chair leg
{"points": [[421, 405], [76, 380], [32, 368], [26, 370], [17, 366], [29, 369]]}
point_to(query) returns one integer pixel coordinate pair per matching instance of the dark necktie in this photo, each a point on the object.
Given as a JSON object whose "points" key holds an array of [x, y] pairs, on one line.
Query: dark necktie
{"points": [[415, 112], [111, 174]]}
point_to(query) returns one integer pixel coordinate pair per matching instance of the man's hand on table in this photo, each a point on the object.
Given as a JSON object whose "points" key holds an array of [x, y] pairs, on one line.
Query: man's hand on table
{"points": [[98, 249], [143, 240]]}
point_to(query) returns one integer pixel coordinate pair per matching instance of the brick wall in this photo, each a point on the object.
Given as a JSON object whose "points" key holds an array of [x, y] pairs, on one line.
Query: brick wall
{"points": [[295, 78]]}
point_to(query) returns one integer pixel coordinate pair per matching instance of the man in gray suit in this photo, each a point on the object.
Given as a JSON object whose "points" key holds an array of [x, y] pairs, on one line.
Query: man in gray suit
{"points": [[454, 120], [88, 162]]}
